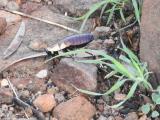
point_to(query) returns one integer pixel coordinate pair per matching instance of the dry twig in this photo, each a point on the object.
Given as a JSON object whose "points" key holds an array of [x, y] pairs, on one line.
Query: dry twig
{"points": [[42, 20]]}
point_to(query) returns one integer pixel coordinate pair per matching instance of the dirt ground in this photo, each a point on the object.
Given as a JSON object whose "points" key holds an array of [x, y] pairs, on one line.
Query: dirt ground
{"points": [[32, 89]]}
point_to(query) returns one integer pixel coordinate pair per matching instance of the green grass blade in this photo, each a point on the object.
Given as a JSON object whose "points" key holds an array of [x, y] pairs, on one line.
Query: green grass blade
{"points": [[110, 74], [129, 95], [91, 11], [111, 14], [136, 10], [122, 15], [116, 86]]}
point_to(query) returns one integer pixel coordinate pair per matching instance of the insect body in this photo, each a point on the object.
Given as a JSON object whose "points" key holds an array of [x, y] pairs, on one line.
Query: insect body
{"points": [[71, 41]]}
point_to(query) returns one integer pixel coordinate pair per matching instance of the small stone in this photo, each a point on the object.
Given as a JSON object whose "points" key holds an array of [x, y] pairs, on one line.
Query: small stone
{"points": [[131, 116], [35, 87], [77, 108], [119, 96], [25, 94], [118, 118], [3, 2], [3, 25], [38, 45], [12, 5], [42, 74], [11, 109], [110, 118], [108, 42], [4, 83], [4, 107], [100, 107], [144, 117], [59, 97], [45, 102]]}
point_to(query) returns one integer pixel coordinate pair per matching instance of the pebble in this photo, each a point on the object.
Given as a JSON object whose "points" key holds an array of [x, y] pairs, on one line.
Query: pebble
{"points": [[4, 83], [59, 97], [77, 108], [38, 45], [4, 107], [12, 5], [42, 73], [3, 25], [108, 42], [131, 116], [45, 102], [25, 94], [119, 96]]}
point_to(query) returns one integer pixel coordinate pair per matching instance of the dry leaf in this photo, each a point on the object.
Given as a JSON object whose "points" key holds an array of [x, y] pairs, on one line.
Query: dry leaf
{"points": [[16, 42]]}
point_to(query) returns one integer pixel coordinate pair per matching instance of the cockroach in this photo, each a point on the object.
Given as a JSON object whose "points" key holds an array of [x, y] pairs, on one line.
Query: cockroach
{"points": [[70, 42]]}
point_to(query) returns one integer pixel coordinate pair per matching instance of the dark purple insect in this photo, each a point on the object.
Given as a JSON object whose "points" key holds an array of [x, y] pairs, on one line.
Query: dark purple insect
{"points": [[71, 41]]}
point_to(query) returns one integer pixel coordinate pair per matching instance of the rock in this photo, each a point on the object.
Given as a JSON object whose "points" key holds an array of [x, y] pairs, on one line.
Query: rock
{"points": [[131, 116], [144, 117], [59, 97], [10, 18], [77, 108], [69, 72], [119, 96], [73, 7], [3, 25], [42, 74], [149, 43], [12, 5], [110, 118], [4, 83], [6, 96], [3, 2], [118, 118], [38, 45], [108, 42], [25, 94], [45, 102]]}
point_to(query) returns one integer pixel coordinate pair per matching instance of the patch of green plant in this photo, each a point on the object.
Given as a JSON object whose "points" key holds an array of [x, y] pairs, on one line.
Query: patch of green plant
{"points": [[149, 108], [117, 5], [128, 66]]}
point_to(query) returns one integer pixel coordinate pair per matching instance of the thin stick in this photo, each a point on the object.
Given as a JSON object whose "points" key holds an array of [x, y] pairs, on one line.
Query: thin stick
{"points": [[43, 54], [37, 113], [11, 86], [42, 20]]}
